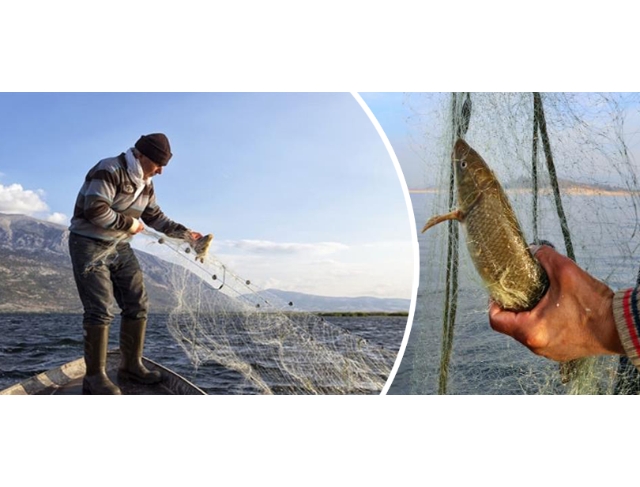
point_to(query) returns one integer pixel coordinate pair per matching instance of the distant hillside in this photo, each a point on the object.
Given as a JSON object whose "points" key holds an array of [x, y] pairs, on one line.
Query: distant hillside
{"points": [[313, 303], [35, 269], [566, 187], [36, 276]]}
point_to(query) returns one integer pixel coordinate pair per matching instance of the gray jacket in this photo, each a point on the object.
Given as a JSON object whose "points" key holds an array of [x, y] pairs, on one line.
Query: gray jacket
{"points": [[107, 204]]}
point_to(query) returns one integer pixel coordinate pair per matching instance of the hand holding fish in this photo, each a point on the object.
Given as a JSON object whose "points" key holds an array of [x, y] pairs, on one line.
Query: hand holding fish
{"points": [[574, 319], [494, 238], [199, 243]]}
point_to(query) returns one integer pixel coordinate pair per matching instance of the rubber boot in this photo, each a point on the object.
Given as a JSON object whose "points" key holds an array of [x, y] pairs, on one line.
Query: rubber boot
{"points": [[132, 333], [96, 381]]}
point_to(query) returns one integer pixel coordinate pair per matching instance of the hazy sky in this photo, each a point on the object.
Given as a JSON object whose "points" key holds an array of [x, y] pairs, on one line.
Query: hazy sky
{"points": [[396, 113], [584, 151], [298, 189]]}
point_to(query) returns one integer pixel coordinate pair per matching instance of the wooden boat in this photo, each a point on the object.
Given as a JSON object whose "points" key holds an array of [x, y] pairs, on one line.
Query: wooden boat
{"points": [[67, 380]]}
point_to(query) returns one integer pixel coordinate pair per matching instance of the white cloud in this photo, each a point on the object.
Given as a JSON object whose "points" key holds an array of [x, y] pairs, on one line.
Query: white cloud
{"points": [[267, 247], [380, 269], [60, 218], [15, 199]]}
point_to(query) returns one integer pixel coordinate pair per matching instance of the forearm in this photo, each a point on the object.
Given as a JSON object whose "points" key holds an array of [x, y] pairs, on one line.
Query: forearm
{"points": [[99, 213], [157, 220]]}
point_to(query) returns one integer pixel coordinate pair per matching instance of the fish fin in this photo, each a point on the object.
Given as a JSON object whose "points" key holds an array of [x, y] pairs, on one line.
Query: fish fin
{"points": [[454, 215]]}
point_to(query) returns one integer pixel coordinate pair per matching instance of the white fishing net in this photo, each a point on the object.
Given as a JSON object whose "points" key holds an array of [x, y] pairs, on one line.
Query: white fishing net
{"points": [[223, 318], [452, 348]]}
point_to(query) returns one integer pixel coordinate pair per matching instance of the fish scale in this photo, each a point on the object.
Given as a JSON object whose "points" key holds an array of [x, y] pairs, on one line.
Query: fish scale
{"points": [[496, 243]]}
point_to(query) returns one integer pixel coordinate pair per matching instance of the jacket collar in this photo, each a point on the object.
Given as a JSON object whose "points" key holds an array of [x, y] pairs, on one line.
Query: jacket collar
{"points": [[135, 169]]}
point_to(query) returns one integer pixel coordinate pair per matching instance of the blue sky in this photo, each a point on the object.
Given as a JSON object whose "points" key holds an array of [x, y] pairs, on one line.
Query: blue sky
{"points": [[298, 189]]}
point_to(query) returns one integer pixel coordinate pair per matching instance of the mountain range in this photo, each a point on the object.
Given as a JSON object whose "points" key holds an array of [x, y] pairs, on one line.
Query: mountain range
{"points": [[36, 276], [310, 302]]}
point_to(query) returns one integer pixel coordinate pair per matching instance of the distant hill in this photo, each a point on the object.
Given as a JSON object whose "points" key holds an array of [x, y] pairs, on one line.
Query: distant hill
{"points": [[35, 269], [313, 303], [36, 276], [566, 187]]}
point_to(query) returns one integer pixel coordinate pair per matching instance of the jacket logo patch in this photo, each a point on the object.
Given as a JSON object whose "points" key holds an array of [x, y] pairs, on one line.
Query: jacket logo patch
{"points": [[128, 188]]}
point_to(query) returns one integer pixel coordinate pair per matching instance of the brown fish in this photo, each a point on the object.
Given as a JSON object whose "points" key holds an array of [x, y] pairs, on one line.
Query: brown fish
{"points": [[514, 278], [200, 246]]}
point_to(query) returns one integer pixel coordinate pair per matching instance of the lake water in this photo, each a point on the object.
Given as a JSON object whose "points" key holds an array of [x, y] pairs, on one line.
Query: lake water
{"points": [[605, 237], [31, 344]]}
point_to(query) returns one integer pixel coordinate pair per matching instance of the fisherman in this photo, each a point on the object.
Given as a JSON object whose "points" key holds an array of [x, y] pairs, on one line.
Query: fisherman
{"points": [[579, 316], [116, 198]]}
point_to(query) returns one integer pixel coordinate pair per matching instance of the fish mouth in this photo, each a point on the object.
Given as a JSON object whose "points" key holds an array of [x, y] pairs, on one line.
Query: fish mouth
{"points": [[461, 150]]}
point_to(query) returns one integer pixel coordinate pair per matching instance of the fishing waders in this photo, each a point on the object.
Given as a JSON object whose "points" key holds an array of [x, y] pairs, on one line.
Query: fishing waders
{"points": [[96, 381], [132, 332]]}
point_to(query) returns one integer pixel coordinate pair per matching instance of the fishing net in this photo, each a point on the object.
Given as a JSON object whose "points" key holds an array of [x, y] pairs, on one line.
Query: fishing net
{"points": [[566, 164], [224, 319]]}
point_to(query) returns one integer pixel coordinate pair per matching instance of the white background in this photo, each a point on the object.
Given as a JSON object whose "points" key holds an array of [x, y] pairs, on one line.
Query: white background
{"points": [[323, 46]]}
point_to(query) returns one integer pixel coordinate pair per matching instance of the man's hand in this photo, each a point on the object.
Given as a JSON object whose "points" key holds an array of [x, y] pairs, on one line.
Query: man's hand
{"points": [[136, 227], [200, 244], [574, 319]]}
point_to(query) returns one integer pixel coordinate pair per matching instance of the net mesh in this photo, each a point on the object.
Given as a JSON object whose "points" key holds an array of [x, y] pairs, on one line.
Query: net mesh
{"points": [[223, 318], [452, 349]]}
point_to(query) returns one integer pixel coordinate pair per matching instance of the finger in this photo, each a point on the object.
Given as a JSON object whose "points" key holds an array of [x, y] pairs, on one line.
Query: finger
{"points": [[559, 268], [549, 259], [500, 320], [543, 249]]}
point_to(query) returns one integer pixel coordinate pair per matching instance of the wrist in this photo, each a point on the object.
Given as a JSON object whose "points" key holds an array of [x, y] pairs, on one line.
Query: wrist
{"points": [[627, 323], [607, 330], [135, 226]]}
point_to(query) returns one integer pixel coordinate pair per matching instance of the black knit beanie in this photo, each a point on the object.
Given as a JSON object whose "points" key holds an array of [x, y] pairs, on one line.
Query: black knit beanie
{"points": [[155, 147]]}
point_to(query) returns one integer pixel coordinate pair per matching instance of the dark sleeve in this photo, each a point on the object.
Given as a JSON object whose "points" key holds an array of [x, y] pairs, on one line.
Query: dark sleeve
{"points": [[156, 219]]}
